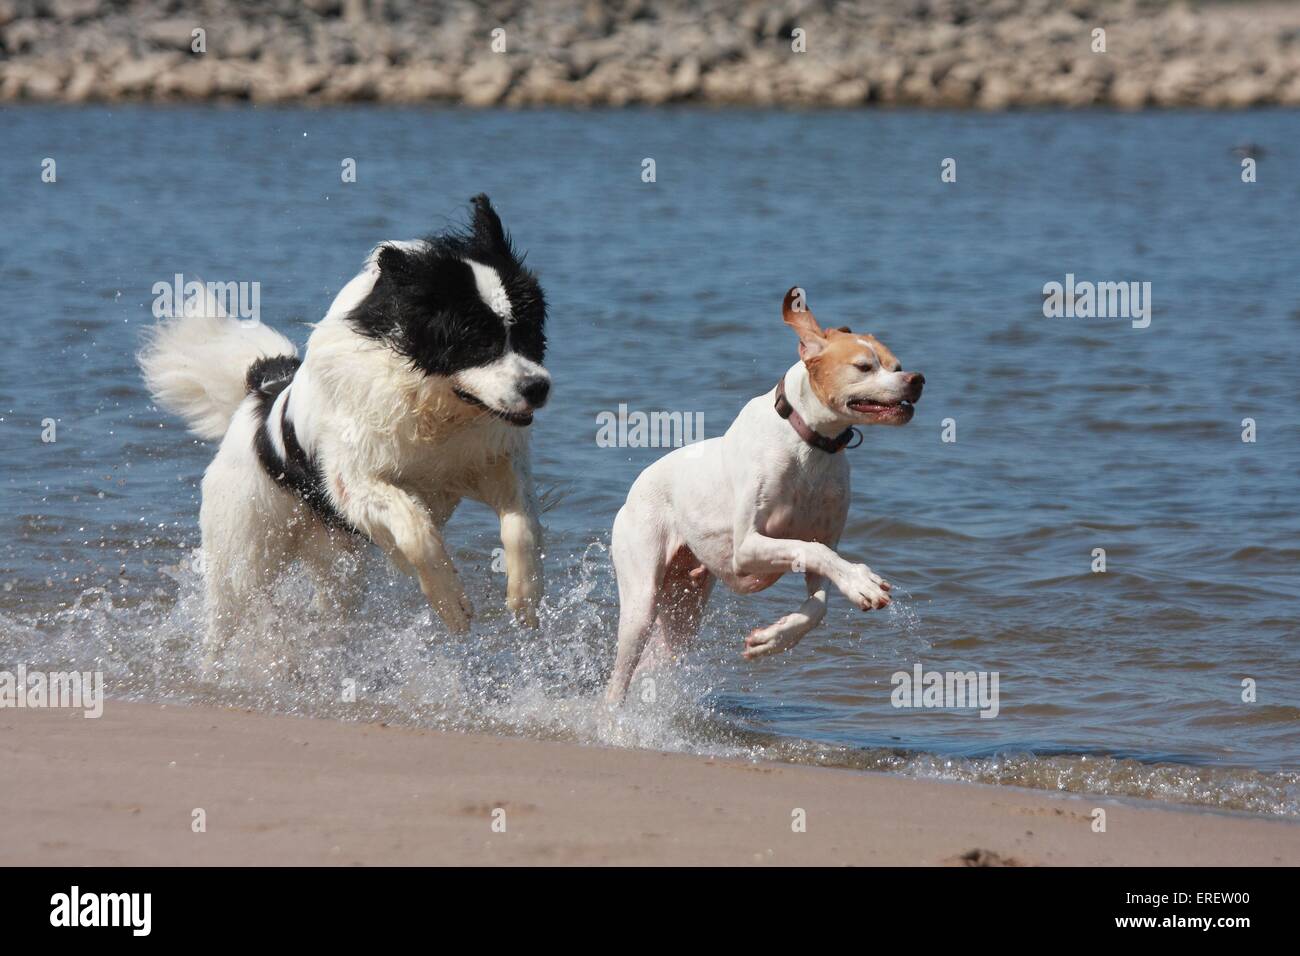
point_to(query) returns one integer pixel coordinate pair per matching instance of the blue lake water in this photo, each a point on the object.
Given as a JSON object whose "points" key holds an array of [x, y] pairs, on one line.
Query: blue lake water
{"points": [[1072, 434]]}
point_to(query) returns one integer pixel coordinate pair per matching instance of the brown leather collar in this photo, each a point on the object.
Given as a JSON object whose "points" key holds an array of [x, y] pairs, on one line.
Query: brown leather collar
{"points": [[808, 434]]}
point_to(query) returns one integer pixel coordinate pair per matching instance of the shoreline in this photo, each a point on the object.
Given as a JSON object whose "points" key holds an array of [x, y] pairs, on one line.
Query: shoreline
{"points": [[939, 54], [686, 106], [279, 790]]}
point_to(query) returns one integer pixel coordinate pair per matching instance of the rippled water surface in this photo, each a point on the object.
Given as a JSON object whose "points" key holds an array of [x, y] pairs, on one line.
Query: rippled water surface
{"points": [[1072, 434]]}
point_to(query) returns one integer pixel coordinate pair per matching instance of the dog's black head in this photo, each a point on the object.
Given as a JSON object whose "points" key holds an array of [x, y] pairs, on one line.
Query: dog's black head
{"points": [[462, 305]]}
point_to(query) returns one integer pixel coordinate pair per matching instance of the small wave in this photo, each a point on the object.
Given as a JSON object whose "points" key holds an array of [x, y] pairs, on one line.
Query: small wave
{"points": [[1260, 555], [893, 529], [1258, 715], [1144, 424], [1249, 791]]}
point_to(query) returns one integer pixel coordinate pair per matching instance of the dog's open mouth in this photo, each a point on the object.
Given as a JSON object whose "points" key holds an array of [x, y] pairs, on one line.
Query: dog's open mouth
{"points": [[865, 407], [514, 418]]}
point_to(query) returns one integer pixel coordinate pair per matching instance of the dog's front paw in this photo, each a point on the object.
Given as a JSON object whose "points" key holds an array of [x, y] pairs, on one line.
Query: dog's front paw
{"points": [[524, 610], [523, 604], [774, 638], [865, 588], [456, 612]]}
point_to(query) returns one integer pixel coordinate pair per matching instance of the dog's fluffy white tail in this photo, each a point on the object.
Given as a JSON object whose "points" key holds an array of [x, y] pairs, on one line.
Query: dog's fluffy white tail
{"points": [[195, 366]]}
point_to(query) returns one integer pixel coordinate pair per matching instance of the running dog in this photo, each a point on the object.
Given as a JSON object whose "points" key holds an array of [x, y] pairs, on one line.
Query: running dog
{"points": [[416, 390], [769, 496]]}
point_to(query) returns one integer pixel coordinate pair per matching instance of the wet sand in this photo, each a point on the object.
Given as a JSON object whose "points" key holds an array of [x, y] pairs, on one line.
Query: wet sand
{"points": [[122, 790]]}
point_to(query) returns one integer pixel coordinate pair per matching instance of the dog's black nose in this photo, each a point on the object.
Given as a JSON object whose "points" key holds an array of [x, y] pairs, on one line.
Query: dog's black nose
{"points": [[915, 382], [536, 390]]}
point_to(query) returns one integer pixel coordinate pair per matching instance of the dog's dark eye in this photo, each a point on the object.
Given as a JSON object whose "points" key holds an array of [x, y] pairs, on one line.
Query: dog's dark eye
{"points": [[864, 366]]}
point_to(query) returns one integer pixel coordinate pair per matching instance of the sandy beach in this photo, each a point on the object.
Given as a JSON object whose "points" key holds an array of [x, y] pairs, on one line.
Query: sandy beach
{"points": [[123, 790]]}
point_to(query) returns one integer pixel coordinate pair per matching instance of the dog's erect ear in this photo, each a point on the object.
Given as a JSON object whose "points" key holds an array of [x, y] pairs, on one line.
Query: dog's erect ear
{"points": [[487, 225], [797, 315], [393, 264]]}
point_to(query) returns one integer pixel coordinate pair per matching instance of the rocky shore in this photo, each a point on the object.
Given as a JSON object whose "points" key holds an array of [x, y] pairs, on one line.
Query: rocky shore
{"points": [[982, 54]]}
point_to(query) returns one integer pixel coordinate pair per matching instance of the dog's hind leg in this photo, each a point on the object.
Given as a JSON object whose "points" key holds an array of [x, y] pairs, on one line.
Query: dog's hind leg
{"points": [[249, 528], [790, 630], [639, 565], [238, 585], [682, 597], [224, 616], [337, 583]]}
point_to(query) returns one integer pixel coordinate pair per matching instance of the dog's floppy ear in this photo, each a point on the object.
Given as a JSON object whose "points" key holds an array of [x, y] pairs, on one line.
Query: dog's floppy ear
{"points": [[487, 225], [797, 315]]}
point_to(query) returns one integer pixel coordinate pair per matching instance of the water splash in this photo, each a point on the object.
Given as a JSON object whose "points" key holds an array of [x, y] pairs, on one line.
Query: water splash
{"points": [[394, 663]]}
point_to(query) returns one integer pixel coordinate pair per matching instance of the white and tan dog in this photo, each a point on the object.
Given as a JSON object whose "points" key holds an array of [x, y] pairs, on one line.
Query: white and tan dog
{"points": [[769, 496]]}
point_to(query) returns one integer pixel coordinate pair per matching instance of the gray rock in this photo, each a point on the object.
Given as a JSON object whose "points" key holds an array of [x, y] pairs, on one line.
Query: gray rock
{"points": [[991, 54], [487, 80]]}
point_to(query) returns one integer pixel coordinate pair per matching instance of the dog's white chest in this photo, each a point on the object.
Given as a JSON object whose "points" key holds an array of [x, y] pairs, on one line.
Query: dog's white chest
{"points": [[806, 506]]}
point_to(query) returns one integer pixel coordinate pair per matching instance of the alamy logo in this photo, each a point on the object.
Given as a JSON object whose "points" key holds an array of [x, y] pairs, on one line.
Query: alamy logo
{"points": [[68, 689], [624, 429], [955, 690], [103, 909], [197, 299], [1101, 300]]}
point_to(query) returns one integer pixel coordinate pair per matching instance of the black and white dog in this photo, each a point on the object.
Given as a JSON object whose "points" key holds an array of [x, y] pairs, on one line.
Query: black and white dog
{"points": [[416, 391]]}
